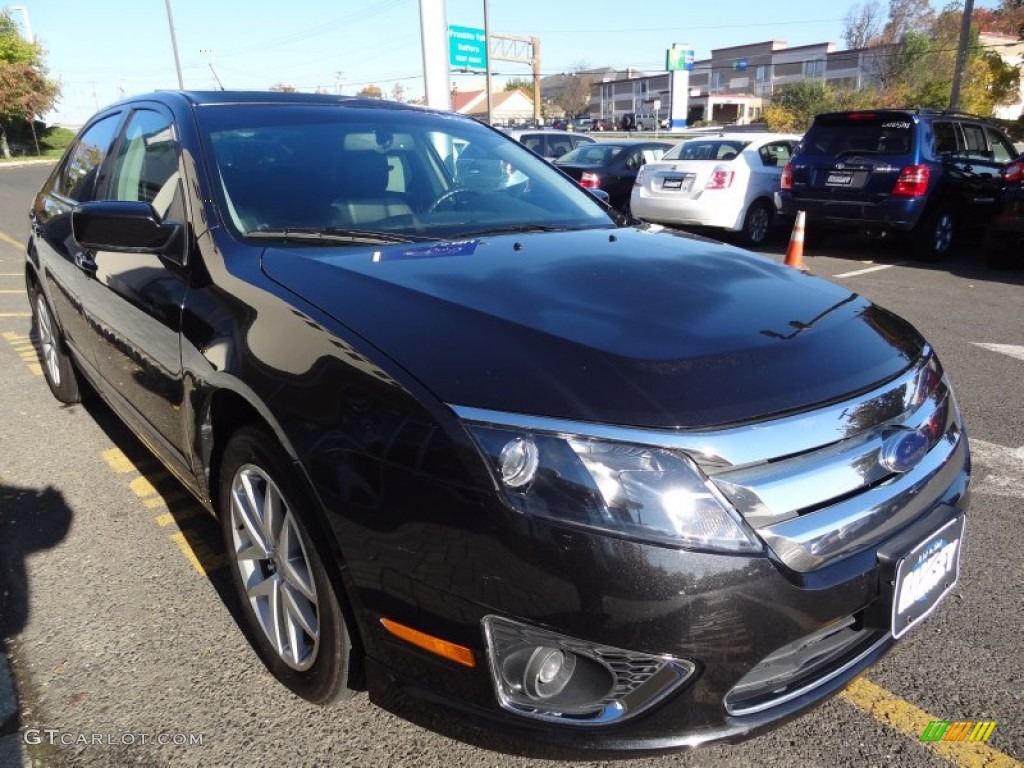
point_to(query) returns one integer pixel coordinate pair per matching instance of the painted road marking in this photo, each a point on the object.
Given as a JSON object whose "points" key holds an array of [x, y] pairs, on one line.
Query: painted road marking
{"points": [[879, 268], [202, 558], [15, 314], [10, 240], [26, 349], [1012, 350], [12, 274], [997, 469], [19, 290], [911, 721]]}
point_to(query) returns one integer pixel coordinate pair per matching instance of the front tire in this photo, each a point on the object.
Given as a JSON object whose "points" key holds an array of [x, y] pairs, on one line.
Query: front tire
{"points": [[292, 609], [59, 371], [933, 237]]}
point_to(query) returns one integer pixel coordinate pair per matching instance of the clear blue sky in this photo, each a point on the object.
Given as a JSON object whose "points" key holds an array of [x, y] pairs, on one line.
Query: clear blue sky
{"points": [[100, 49]]}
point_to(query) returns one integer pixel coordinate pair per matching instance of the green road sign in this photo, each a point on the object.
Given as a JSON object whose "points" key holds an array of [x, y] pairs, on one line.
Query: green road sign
{"points": [[467, 48]]}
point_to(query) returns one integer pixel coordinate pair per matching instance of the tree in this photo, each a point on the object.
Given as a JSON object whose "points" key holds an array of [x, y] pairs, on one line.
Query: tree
{"points": [[398, 92], [794, 105], [283, 88], [25, 90], [906, 16], [519, 84], [862, 25], [371, 92], [574, 97], [1007, 19]]}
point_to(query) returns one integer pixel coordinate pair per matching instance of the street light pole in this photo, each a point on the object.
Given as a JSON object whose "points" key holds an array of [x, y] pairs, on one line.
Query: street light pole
{"points": [[487, 56], [26, 21], [174, 44]]}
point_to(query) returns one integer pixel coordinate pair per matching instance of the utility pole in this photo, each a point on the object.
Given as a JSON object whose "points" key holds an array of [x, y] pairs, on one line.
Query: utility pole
{"points": [[535, 46], [174, 44], [961, 56]]}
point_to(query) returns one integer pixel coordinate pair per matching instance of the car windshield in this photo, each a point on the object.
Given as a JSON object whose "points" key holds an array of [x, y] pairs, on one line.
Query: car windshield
{"points": [[297, 170], [591, 154], [706, 149]]}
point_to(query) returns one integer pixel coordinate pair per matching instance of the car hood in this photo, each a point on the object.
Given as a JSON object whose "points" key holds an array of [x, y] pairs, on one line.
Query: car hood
{"points": [[627, 326]]}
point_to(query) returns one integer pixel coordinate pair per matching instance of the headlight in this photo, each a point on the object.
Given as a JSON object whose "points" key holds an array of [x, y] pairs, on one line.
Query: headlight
{"points": [[639, 491]]}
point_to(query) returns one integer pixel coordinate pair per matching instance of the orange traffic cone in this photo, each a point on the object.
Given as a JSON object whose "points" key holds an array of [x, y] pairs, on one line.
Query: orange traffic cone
{"points": [[795, 252]]}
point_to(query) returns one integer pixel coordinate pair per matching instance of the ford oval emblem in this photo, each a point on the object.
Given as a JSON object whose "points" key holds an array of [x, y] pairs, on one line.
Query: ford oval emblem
{"points": [[904, 450]]}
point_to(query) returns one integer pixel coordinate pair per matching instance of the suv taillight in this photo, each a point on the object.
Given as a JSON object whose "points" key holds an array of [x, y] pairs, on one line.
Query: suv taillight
{"points": [[912, 182], [590, 180], [721, 178], [787, 177], [1014, 171]]}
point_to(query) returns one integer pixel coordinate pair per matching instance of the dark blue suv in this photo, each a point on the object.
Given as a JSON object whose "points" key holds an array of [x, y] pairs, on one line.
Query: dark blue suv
{"points": [[920, 172]]}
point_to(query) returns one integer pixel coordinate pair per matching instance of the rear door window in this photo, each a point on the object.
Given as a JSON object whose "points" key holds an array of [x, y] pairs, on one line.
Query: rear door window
{"points": [[977, 145]]}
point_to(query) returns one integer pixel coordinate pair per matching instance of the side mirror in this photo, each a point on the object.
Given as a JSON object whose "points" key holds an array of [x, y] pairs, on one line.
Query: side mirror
{"points": [[116, 225]]}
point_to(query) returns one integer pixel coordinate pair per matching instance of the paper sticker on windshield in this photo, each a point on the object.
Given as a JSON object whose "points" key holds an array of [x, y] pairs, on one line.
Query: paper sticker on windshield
{"points": [[432, 251]]}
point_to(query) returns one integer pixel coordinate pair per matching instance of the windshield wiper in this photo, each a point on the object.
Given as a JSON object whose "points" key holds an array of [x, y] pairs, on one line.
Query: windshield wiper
{"points": [[332, 236], [513, 229]]}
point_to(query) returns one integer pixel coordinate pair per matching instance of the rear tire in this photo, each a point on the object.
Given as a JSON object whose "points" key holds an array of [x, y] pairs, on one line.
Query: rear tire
{"points": [[293, 611], [757, 224], [933, 237], [59, 371]]}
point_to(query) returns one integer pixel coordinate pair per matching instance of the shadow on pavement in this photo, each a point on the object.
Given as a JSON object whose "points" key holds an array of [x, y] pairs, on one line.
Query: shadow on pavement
{"points": [[31, 520]]}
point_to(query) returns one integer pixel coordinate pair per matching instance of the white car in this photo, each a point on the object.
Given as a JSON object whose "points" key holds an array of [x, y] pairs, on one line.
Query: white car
{"points": [[724, 180]]}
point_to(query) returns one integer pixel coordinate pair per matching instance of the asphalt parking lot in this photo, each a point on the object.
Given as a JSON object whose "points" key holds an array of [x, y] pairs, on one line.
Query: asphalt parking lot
{"points": [[121, 630]]}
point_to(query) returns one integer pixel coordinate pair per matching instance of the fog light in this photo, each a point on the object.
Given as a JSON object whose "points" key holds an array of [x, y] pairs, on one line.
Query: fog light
{"points": [[518, 462], [547, 672], [538, 673]]}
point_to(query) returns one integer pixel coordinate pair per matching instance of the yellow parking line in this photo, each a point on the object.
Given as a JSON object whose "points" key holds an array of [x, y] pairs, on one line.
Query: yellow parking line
{"points": [[10, 240], [12, 274], [186, 550], [169, 518], [904, 717], [15, 314], [118, 461], [19, 290]]}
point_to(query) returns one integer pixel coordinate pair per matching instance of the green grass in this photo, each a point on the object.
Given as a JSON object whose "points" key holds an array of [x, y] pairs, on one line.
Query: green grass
{"points": [[52, 143]]}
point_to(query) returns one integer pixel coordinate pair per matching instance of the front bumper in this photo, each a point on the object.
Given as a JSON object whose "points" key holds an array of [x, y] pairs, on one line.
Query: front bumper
{"points": [[726, 614]]}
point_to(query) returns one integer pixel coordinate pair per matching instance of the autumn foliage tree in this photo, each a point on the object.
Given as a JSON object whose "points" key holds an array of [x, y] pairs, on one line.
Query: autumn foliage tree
{"points": [[25, 90]]}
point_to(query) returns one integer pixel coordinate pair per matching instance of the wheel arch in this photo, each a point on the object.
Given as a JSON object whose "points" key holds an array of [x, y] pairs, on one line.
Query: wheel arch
{"points": [[224, 412]]}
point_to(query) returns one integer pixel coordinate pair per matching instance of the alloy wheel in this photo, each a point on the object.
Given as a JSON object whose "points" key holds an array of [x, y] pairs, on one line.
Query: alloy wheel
{"points": [[47, 340], [270, 552]]}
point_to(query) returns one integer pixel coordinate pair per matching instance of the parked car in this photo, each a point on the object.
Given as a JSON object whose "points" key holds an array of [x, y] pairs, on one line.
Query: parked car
{"points": [[603, 124], [723, 180], [581, 124], [611, 166], [921, 173], [1004, 235], [639, 121], [500, 453], [551, 144]]}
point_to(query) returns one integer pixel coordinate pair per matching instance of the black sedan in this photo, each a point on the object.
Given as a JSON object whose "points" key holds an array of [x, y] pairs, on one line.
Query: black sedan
{"points": [[1004, 233], [611, 166], [481, 445]]}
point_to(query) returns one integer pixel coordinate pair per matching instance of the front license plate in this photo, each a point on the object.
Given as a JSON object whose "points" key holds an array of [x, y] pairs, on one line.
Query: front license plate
{"points": [[839, 179], [926, 575]]}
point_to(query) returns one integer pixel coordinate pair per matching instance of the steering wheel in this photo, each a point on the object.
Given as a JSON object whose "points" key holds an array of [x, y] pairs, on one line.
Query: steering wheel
{"points": [[452, 195]]}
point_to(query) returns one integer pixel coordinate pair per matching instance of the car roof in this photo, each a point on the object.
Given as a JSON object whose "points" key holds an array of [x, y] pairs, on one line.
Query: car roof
{"points": [[202, 98], [751, 137]]}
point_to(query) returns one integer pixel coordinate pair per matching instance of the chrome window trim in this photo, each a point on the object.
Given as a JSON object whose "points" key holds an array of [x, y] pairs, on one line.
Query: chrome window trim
{"points": [[751, 443]]}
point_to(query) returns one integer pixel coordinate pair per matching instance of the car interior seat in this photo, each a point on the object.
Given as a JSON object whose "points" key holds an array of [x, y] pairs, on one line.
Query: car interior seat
{"points": [[361, 184]]}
